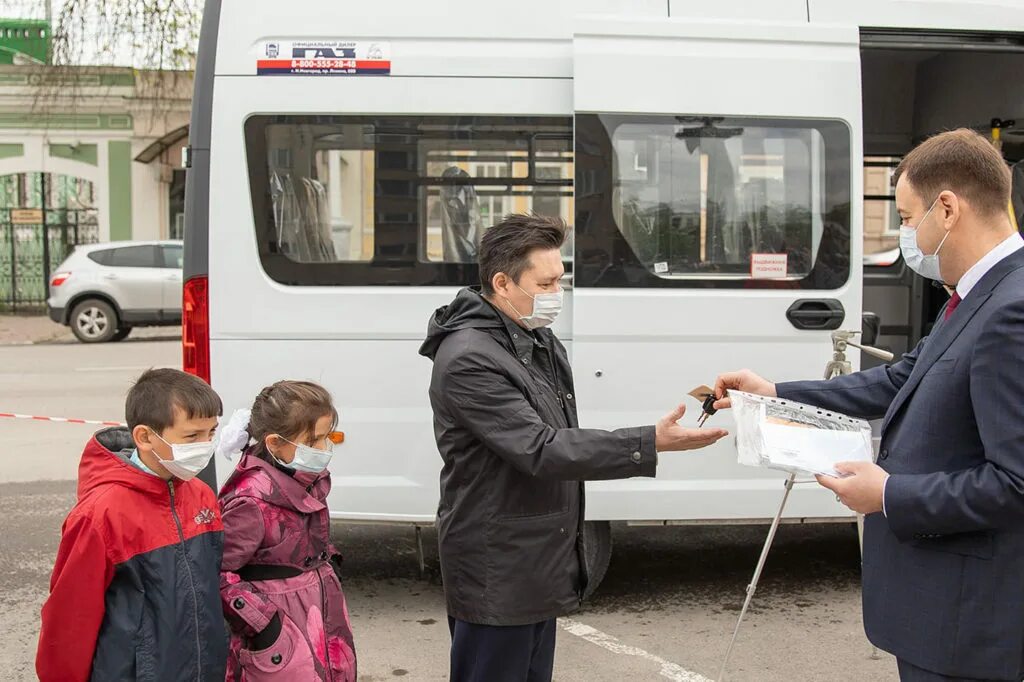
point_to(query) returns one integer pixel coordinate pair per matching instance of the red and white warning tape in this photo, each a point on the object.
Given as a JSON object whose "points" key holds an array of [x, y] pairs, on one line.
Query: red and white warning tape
{"points": [[66, 420]]}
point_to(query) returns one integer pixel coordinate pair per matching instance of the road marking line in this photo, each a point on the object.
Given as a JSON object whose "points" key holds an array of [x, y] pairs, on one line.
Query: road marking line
{"points": [[63, 420], [669, 670], [124, 368]]}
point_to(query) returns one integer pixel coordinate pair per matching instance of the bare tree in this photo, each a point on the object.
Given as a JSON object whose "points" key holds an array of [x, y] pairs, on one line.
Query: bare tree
{"points": [[146, 34], [156, 38]]}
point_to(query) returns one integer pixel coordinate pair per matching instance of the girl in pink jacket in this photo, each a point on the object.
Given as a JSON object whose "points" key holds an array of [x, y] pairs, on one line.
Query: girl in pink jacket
{"points": [[279, 580]]}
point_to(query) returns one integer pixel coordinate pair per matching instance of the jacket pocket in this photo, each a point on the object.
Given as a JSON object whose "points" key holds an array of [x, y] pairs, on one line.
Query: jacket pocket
{"points": [[547, 402], [944, 366], [532, 567], [976, 544], [523, 497], [288, 658], [529, 517]]}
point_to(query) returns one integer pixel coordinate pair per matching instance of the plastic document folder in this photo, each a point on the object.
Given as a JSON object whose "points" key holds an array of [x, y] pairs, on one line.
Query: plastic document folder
{"points": [[797, 438]]}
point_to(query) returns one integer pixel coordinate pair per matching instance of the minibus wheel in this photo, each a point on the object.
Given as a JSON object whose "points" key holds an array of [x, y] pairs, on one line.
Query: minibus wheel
{"points": [[597, 543]]}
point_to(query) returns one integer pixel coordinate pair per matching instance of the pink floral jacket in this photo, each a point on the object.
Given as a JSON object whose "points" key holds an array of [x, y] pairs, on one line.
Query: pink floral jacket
{"points": [[279, 561]]}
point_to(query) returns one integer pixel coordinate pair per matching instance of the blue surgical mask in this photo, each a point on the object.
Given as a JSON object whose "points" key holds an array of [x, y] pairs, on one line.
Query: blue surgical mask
{"points": [[307, 459], [926, 266], [546, 308]]}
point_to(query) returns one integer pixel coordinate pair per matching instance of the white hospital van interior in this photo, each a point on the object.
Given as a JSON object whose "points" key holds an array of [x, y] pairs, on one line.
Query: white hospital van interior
{"points": [[725, 167]]}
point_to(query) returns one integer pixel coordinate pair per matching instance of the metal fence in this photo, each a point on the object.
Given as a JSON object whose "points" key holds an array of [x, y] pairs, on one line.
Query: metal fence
{"points": [[33, 243]]}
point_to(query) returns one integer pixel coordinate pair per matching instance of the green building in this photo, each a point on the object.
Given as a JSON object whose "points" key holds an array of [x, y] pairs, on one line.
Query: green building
{"points": [[24, 41], [87, 154]]}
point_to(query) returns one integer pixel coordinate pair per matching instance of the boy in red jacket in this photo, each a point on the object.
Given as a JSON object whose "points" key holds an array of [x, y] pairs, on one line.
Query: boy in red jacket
{"points": [[135, 592]]}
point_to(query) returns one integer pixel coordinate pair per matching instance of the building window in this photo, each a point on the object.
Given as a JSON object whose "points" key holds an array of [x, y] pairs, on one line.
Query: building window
{"points": [[881, 219], [176, 205]]}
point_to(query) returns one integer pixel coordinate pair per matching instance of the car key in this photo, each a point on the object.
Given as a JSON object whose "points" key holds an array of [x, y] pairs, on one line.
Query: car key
{"points": [[707, 398], [709, 409]]}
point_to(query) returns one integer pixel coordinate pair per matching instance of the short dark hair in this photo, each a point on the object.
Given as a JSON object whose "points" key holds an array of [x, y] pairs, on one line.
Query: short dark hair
{"points": [[963, 162], [156, 394], [506, 247]]}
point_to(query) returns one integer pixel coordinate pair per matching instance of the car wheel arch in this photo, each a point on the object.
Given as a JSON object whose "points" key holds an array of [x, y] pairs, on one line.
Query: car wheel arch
{"points": [[86, 295]]}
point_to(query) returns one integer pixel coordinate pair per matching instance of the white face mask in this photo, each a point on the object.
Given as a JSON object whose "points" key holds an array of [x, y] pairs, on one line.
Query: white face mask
{"points": [[545, 309], [926, 266], [307, 459], [189, 458]]}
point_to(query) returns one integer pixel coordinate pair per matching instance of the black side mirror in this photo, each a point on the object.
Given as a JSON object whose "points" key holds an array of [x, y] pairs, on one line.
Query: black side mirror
{"points": [[870, 324]]}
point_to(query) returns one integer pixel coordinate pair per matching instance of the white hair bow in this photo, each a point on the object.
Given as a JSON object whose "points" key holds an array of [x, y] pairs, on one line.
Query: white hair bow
{"points": [[233, 436]]}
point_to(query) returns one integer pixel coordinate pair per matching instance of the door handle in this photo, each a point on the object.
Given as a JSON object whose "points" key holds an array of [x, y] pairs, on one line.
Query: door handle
{"points": [[110, 275], [816, 313]]}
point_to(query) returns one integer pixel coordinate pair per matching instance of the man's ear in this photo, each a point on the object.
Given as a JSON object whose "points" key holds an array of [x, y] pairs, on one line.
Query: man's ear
{"points": [[951, 206], [142, 437], [500, 283]]}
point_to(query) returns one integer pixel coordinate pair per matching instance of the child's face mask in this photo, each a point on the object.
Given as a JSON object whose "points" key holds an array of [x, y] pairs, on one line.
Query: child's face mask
{"points": [[188, 458], [307, 459]]}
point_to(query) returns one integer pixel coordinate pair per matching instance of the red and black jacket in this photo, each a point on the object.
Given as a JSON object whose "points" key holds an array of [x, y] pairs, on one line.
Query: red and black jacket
{"points": [[135, 592]]}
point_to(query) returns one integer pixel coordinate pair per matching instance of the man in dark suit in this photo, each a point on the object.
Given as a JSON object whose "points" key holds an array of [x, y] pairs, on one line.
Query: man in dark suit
{"points": [[944, 533]]}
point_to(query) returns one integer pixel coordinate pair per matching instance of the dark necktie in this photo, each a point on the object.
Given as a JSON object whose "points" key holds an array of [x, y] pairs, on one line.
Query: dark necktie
{"points": [[954, 301]]}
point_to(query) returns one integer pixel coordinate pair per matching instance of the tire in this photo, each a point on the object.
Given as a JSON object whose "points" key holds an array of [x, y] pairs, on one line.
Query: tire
{"points": [[93, 321], [597, 542], [121, 334]]}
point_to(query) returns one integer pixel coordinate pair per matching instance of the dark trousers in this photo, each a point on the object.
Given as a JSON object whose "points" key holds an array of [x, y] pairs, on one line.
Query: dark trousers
{"points": [[911, 673], [502, 653]]}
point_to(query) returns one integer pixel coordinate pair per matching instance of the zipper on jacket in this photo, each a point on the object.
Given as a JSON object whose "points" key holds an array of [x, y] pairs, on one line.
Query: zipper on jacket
{"points": [[323, 616], [556, 378], [191, 583]]}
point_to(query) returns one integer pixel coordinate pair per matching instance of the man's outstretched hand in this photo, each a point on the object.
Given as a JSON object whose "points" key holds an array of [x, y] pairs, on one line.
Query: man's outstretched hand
{"points": [[671, 437]]}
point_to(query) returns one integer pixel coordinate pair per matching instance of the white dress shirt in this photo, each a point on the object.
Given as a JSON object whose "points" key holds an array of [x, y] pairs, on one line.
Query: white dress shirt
{"points": [[1005, 248]]}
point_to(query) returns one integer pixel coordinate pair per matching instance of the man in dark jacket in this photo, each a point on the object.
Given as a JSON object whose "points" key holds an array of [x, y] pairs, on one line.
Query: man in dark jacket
{"points": [[511, 511]]}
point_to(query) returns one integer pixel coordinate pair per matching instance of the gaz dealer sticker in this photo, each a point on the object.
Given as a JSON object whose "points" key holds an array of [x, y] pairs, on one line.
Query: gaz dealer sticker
{"points": [[323, 58]]}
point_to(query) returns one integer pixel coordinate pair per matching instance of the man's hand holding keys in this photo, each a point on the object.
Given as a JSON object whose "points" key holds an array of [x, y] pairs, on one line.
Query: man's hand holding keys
{"points": [[743, 380]]}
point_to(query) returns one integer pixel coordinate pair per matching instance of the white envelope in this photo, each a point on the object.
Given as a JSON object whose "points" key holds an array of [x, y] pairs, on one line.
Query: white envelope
{"points": [[797, 438]]}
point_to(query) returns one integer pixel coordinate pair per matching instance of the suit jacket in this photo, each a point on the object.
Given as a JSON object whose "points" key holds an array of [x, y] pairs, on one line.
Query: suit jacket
{"points": [[944, 566]]}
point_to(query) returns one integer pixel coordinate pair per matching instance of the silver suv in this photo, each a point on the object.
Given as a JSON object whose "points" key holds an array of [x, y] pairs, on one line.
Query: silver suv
{"points": [[102, 291]]}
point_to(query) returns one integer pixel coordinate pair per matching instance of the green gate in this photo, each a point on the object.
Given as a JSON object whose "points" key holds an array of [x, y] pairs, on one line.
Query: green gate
{"points": [[34, 240], [31, 252]]}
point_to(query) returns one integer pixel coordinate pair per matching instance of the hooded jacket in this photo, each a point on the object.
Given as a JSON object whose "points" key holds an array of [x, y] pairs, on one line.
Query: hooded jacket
{"points": [[511, 509], [279, 563], [135, 590]]}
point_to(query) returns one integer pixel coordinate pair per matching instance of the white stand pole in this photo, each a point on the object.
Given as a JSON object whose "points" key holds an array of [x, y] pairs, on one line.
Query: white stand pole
{"points": [[752, 587], [838, 366]]}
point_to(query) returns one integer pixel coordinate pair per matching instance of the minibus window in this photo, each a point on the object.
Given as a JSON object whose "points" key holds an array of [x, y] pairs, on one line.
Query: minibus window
{"points": [[711, 201], [398, 200]]}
